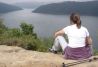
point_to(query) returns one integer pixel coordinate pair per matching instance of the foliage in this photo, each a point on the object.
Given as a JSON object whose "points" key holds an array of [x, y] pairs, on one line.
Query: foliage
{"points": [[2, 27], [27, 29], [95, 52], [24, 37], [1, 31], [15, 32]]}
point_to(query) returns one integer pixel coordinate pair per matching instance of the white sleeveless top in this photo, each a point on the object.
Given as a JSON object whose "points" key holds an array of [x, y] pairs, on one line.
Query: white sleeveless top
{"points": [[76, 36]]}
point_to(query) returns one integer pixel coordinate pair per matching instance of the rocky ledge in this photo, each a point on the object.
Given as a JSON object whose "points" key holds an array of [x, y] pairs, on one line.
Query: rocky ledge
{"points": [[12, 56]]}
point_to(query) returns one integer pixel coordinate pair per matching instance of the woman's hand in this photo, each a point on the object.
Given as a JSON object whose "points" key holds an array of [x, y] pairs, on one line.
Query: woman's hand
{"points": [[88, 41]]}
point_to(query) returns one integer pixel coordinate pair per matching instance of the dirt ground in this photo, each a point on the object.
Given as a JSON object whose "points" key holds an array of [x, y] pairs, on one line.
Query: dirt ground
{"points": [[11, 56]]}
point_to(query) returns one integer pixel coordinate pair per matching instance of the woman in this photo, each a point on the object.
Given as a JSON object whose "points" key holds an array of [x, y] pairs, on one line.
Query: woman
{"points": [[79, 40]]}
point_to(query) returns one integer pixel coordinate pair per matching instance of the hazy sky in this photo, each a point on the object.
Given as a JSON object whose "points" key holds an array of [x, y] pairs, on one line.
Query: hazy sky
{"points": [[14, 1]]}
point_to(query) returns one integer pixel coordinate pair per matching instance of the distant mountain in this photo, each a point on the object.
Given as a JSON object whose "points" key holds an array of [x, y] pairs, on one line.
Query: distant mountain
{"points": [[84, 8], [30, 5], [4, 8]]}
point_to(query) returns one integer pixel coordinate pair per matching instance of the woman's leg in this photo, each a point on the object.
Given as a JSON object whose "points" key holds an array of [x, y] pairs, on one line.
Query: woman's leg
{"points": [[59, 42]]}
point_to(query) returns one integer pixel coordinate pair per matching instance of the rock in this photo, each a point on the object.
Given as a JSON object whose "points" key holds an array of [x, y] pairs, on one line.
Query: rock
{"points": [[12, 56]]}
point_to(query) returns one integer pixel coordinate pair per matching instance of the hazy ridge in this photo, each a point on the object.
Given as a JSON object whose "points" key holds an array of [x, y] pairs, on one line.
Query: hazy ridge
{"points": [[4, 8], [84, 8]]}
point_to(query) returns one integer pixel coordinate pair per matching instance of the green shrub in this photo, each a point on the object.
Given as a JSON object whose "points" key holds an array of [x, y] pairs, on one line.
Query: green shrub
{"points": [[26, 28], [25, 41], [95, 52], [2, 25], [1, 31], [46, 44], [30, 46], [24, 37], [16, 32]]}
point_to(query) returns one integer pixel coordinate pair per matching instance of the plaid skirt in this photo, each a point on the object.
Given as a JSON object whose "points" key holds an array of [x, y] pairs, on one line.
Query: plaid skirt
{"points": [[78, 53]]}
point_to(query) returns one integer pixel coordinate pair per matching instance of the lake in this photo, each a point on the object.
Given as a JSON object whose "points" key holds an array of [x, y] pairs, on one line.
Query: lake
{"points": [[45, 25]]}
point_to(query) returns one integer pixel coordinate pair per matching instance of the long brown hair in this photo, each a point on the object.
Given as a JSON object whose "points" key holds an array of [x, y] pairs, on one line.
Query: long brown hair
{"points": [[75, 18]]}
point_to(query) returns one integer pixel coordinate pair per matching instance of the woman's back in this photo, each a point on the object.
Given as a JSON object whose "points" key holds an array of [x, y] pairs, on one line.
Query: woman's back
{"points": [[76, 36]]}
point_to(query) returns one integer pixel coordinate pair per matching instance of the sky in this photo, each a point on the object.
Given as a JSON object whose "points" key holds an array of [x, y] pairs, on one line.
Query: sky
{"points": [[15, 1]]}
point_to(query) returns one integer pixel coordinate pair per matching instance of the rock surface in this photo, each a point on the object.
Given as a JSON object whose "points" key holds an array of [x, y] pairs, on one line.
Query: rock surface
{"points": [[12, 56]]}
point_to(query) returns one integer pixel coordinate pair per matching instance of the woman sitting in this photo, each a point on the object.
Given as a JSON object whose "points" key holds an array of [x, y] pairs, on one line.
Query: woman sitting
{"points": [[79, 41]]}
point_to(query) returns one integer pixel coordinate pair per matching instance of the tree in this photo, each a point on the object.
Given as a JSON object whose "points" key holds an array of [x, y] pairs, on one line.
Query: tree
{"points": [[27, 29], [2, 27]]}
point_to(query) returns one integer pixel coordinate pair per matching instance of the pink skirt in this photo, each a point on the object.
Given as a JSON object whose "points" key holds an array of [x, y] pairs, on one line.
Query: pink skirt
{"points": [[78, 53]]}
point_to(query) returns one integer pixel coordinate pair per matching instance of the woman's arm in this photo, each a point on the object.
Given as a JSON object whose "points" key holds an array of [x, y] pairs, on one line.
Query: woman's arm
{"points": [[88, 40], [59, 33]]}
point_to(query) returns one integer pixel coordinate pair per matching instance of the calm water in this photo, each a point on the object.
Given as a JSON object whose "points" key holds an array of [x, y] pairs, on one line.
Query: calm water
{"points": [[45, 25]]}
